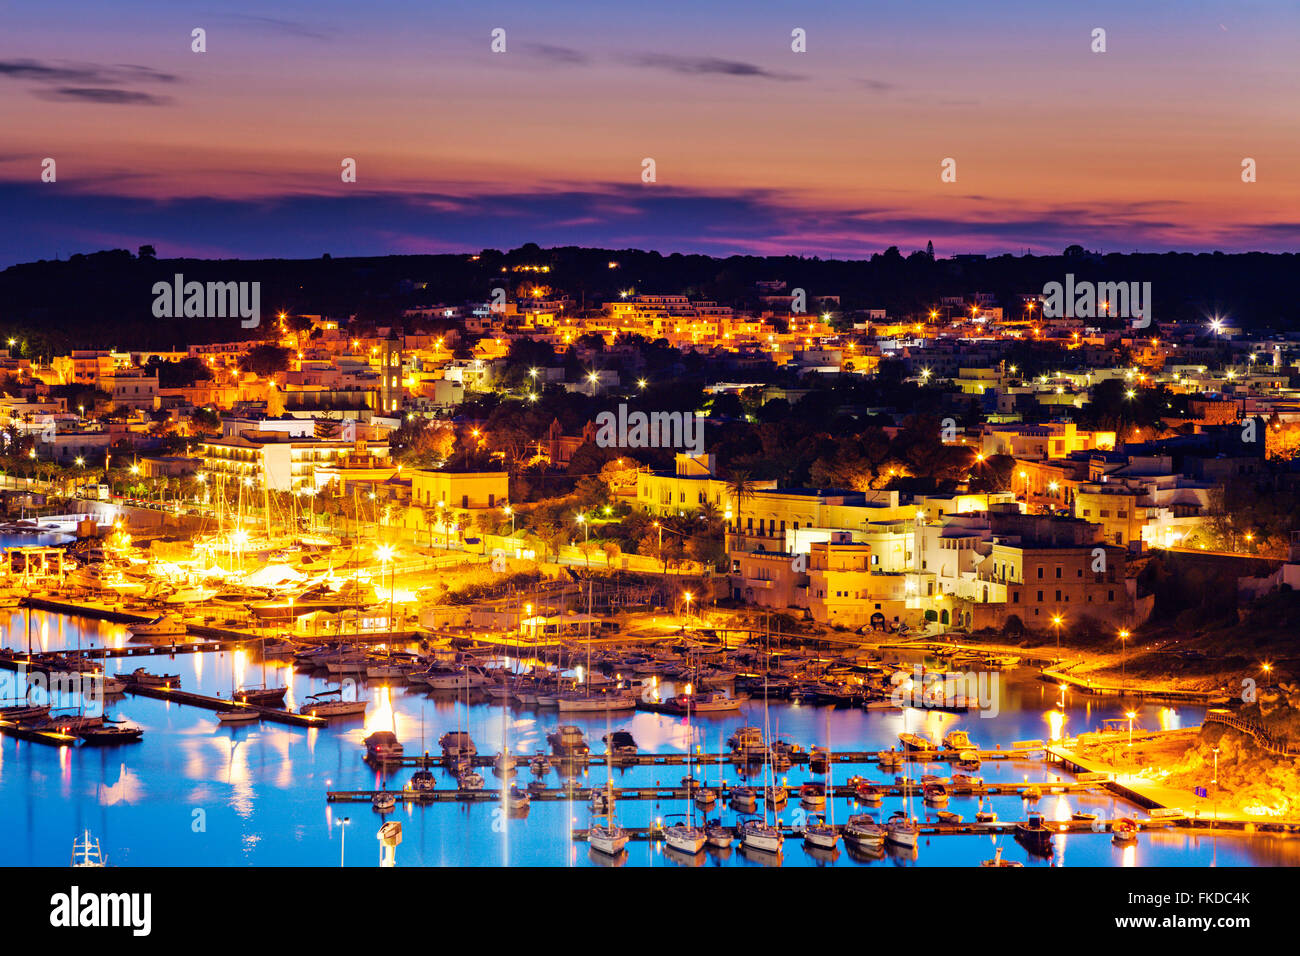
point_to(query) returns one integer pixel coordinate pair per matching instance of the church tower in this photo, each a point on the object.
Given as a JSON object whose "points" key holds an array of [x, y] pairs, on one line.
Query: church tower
{"points": [[390, 372]]}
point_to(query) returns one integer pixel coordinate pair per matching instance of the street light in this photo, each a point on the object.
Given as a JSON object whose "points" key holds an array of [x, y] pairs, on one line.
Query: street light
{"points": [[511, 512], [687, 597], [1056, 623], [344, 839], [586, 530], [1130, 715]]}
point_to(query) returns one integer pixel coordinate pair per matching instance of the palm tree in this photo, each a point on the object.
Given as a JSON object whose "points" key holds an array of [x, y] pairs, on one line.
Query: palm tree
{"points": [[740, 488]]}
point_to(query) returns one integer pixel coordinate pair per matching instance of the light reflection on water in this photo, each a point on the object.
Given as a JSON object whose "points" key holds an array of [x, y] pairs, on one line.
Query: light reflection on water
{"points": [[262, 787]]}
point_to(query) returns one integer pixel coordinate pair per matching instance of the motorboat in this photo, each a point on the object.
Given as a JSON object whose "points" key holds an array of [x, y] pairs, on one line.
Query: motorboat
{"points": [[517, 799], [998, 861], [748, 742], [1035, 835], [935, 794], [705, 798], [862, 830], [568, 741], [948, 817], [821, 834], [957, 740], [457, 744], [1124, 831], [710, 702], [813, 796], [469, 780], [1083, 816], [912, 741], [775, 797], [986, 816], [262, 696], [145, 679], [109, 736], [165, 625], [621, 744], [239, 715], [383, 745], [539, 765], [744, 799], [383, 802], [902, 831]]}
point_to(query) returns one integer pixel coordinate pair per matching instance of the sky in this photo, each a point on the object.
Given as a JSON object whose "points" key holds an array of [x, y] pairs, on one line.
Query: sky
{"points": [[757, 149]]}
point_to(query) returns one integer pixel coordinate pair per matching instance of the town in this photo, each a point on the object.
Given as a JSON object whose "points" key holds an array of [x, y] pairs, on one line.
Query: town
{"points": [[613, 500]]}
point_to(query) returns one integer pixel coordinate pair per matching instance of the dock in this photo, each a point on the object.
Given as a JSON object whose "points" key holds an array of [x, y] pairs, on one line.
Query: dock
{"points": [[52, 737], [577, 791], [223, 703]]}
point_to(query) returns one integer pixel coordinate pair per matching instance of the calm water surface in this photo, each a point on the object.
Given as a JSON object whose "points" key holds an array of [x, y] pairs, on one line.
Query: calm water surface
{"points": [[194, 792]]}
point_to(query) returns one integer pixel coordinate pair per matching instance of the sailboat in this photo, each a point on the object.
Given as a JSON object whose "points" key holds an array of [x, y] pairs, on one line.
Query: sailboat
{"points": [[821, 833], [609, 838], [718, 835], [759, 834], [237, 713], [85, 851], [264, 696], [902, 829], [688, 838]]}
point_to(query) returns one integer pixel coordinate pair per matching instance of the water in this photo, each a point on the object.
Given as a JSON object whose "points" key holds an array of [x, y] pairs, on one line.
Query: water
{"points": [[194, 792]]}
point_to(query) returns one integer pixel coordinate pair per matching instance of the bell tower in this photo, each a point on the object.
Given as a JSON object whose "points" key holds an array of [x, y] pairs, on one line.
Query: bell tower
{"points": [[390, 374]]}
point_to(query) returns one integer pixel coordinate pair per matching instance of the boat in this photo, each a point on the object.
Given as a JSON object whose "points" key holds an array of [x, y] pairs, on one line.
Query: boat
{"points": [[948, 817], [873, 795], [165, 625], [262, 696], [958, 740], [504, 765], [1031, 793], [818, 757], [568, 741], [986, 816], [755, 834], [457, 744], [813, 796], [889, 758], [327, 709], [862, 830], [469, 780], [383, 745], [935, 794], [1034, 835], [145, 679], [239, 715], [998, 861], [383, 802], [775, 796], [517, 799], [24, 712], [968, 760], [717, 835], [711, 702], [539, 765], [1124, 830], [621, 744], [901, 830], [912, 741], [608, 838], [821, 834], [599, 702], [423, 781], [1082, 816], [748, 743], [86, 852], [109, 736]]}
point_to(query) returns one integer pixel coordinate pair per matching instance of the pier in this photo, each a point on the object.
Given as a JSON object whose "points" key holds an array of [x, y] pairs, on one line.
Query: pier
{"points": [[52, 737], [223, 703]]}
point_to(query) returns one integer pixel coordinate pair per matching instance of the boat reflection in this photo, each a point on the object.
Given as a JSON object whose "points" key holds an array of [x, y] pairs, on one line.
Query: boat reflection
{"points": [[604, 859]]}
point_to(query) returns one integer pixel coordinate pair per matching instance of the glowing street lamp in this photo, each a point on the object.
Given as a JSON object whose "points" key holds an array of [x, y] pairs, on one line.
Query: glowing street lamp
{"points": [[1130, 715], [1123, 636], [511, 513], [1056, 623]]}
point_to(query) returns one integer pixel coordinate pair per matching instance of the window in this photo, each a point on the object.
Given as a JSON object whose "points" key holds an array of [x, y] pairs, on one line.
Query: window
{"points": [[1040, 573], [1040, 596], [1015, 597]]}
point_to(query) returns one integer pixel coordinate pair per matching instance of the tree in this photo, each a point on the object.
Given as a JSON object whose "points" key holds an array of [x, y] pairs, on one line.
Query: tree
{"points": [[265, 360]]}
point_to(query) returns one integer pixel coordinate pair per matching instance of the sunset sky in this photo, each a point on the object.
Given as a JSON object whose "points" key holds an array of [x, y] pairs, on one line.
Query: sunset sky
{"points": [[832, 152]]}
